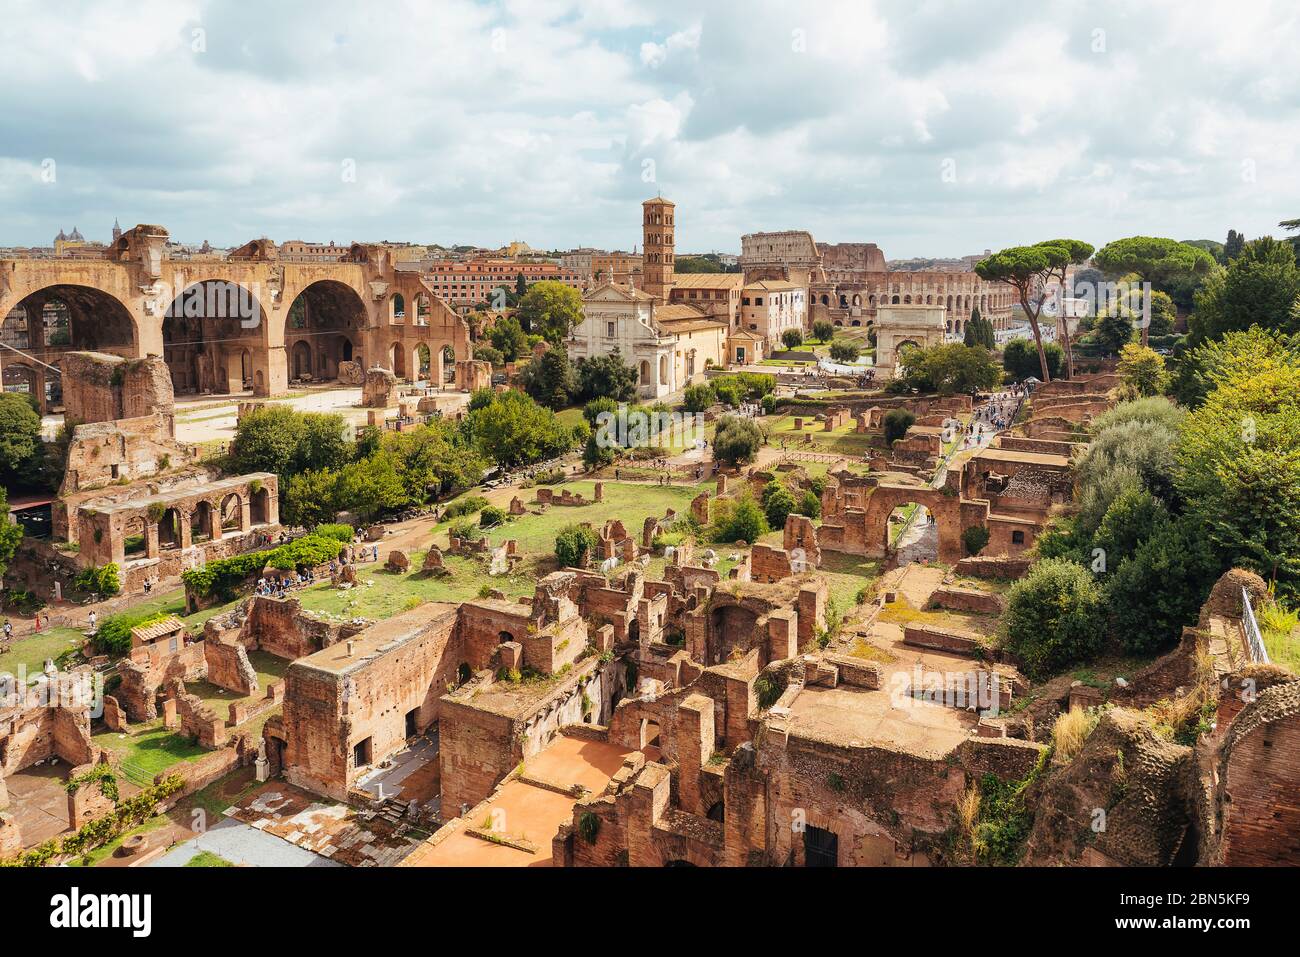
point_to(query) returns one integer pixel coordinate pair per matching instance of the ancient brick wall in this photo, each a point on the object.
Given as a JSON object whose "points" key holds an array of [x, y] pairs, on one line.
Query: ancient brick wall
{"points": [[229, 667], [475, 751]]}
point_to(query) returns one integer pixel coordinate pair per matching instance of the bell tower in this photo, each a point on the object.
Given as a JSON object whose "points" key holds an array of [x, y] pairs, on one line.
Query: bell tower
{"points": [[657, 244]]}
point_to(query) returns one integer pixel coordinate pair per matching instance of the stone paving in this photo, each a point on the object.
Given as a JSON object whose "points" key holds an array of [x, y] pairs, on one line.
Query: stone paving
{"points": [[357, 838], [244, 846]]}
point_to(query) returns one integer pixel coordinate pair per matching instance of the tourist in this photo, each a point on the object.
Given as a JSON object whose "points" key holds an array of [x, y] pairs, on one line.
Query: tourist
{"points": [[93, 620], [375, 552]]}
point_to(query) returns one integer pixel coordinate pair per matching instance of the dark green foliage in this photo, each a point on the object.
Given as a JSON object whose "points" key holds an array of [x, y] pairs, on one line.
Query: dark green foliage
{"points": [[573, 545], [1054, 617], [974, 538], [896, 424]]}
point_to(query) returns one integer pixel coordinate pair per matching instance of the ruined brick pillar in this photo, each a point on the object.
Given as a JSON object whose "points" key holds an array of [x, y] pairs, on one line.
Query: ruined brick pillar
{"points": [[694, 748], [782, 634], [812, 610], [649, 800], [151, 539]]}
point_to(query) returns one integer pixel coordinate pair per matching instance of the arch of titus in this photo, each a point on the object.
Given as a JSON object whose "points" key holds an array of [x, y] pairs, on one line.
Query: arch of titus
{"points": [[249, 322]]}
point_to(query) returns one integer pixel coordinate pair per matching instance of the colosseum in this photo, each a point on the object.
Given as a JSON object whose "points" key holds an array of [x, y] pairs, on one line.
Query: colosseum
{"points": [[847, 282]]}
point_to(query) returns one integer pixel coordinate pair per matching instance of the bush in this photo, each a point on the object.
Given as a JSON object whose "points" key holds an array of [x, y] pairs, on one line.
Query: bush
{"points": [[489, 354], [1020, 359], [593, 409], [738, 520], [113, 635], [810, 505], [101, 580], [736, 439], [465, 529], [974, 539], [769, 404], [492, 516], [697, 398], [844, 351], [573, 545], [823, 330], [897, 422], [778, 503], [340, 531], [1053, 618], [464, 506], [792, 338]]}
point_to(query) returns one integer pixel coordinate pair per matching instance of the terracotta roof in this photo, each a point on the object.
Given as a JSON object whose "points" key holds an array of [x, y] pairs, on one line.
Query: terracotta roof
{"points": [[708, 280], [158, 629]]}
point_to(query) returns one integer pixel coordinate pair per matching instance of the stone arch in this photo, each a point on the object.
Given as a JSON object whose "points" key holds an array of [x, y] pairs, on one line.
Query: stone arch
{"points": [[398, 308], [169, 529], [397, 359], [232, 513], [300, 360], [201, 522], [259, 503], [135, 542], [206, 329], [894, 300], [422, 362], [844, 301], [732, 627], [857, 299], [826, 300], [645, 372], [77, 317], [330, 316]]}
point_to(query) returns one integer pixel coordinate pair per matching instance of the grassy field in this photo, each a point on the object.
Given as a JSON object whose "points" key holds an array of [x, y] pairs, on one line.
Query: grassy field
{"points": [[30, 653], [841, 441], [207, 859], [147, 750]]}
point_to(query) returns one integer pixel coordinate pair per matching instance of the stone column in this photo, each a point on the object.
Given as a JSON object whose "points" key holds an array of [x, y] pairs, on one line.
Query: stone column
{"points": [[150, 539]]}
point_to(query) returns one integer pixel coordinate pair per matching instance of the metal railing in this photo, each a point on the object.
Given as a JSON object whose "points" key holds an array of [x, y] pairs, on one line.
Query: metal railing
{"points": [[1250, 631]]}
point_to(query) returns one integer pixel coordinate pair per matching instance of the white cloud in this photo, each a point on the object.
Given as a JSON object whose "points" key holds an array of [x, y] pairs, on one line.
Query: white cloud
{"points": [[483, 121]]}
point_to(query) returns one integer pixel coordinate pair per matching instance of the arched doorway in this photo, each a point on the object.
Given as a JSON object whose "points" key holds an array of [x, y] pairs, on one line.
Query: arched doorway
{"points": [[232, 513], [397, 358], [260, 507], [302, 367], [201, 523], [422, 362], [207, 329], [134, 544], [327, 315], [169, 529]]}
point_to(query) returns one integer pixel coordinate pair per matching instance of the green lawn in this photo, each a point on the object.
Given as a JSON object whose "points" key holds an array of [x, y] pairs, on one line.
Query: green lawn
{"points": [[147, 750], [207, 859], [30, 653], [842, 441]]}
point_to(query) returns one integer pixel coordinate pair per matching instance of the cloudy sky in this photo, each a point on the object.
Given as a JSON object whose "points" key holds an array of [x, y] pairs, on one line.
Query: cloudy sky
{"points": [[929, 128]]}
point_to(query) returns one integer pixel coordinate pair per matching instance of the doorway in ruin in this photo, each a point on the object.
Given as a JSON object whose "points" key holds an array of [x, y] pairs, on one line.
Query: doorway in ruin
{"points": [[821, 848], [397, 360], [650, 738], [232, 513], [169, 529], [210, 331], [448, 364], [912, 535], [302, 365], [201, 523], [732, 631], [133, 538], [259, 505], [422, 363], [49, 322], [326, 318]]}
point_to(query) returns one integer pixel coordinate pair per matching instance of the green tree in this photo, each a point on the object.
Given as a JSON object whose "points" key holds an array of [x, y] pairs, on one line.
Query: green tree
{"points": [[509, 338], [324, 443], [550, 379], [1233, 245], [778, 502], [736, 439], [1114, 330], [514, 430], [1028, 270], [1142, 370], [1202, 367], [1239, 467], [309, 499], [823, 330], [1259, 288], [1154, 259], [521, 286], [738, 520], [551, 309], [11, 534], [1077, 252], [1054, 617], [371, 487], [950, 368], [573, 545], [697, 398], [1133, 516], [896, 424], [1021, 360], [845, 351], [20, 438], [606, 376], [268, 439], [792, 338]]}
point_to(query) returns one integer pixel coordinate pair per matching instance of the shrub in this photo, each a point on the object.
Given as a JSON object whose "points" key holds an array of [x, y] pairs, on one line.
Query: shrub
{"points": [[778, 502], [100, 580], [113, 635], [573, 545], [738, 520], [492, 516], [792, 338], [769, 404], [1053, 617], [842, 350], [697, 398], [897, 422], [464, 506], [974, 539], [465, 529], [736, 439], [810, 504], [340, 531]]}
